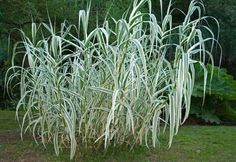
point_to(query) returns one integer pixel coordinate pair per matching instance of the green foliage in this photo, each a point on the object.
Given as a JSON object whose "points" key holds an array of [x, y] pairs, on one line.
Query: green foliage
{"points": [[3, 64], [3, 55], [21, 13], [111, 85], [208, 111], [220, 89], [221, 84], [225, 12]]}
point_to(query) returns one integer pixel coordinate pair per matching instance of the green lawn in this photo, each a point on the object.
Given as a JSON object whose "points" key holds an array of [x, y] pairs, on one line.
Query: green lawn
{"points": [[193, 143]]}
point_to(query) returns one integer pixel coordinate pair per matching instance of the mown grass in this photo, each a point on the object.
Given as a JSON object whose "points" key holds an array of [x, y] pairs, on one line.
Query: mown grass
{"points": [[193, 143]]}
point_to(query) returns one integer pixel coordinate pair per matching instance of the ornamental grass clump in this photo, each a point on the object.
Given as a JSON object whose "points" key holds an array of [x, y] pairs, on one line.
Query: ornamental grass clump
{"points": [[124, 82]]}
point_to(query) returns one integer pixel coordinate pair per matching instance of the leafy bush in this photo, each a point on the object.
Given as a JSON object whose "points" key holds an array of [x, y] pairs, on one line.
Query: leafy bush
{"points": [[220, 90], [221, 84], [110, 86]]}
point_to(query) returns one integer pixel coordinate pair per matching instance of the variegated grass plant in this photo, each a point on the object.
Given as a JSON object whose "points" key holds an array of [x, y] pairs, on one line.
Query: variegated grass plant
{"points": [[113, 85]]}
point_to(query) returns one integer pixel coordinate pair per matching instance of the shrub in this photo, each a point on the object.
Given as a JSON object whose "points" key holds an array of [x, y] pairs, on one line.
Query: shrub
{"points": [[220, 93], [111, 86]]}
